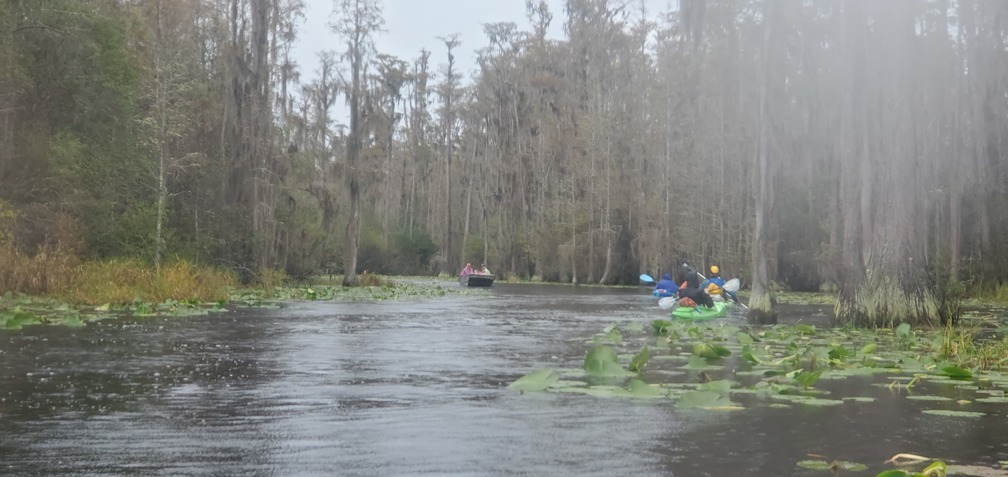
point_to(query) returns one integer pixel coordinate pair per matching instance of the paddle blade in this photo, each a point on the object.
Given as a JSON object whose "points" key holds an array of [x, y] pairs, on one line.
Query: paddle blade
{"points": [[668, 302], [732, 285], [645, 278]]}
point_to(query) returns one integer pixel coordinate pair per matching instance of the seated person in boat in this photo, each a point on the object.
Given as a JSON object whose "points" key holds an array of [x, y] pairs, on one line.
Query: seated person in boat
{"points": [[483, 270], [690, 288], [716, 284], [467, 270], [666, 287]]}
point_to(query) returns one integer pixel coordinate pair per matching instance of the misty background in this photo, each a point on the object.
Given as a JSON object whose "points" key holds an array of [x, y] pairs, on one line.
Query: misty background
{"points": [[854, 147]]}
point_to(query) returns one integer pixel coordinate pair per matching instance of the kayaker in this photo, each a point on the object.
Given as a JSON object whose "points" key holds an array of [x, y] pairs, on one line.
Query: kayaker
{"points": [[666, 287], [690, 288], [716, 286]]}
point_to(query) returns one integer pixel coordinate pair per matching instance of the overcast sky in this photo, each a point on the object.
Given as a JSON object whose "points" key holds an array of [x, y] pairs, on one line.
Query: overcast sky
{"points": [[414, 24]]}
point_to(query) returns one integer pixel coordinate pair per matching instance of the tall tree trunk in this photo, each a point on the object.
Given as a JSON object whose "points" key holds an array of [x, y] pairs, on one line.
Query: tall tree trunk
{"points": [[762, 302]]}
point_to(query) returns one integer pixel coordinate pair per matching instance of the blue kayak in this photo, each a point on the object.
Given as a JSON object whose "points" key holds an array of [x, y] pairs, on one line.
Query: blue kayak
{"points": [[662, 293]]}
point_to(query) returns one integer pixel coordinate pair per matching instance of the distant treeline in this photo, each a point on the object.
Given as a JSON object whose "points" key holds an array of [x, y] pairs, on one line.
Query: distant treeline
{"points": [[855, 146]]}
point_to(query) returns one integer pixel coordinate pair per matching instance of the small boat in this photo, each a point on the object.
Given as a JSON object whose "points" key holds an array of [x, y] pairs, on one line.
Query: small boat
{"points": [[719, 310], [476, 280], [662, 293]]}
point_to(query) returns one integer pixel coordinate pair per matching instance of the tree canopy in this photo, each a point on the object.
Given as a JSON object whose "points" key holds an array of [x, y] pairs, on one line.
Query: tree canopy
{"points": [[853, 146]]}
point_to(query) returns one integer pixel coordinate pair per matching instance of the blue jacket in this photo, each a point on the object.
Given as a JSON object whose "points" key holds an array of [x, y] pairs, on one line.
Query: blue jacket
{"points": [[667, 284], [717, 281]]}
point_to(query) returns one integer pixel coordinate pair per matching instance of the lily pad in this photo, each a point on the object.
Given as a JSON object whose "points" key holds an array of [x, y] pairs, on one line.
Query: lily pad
{"points": [[602, 361], [537, 380], [928, 398], [705, 400], [640, 389], [948, 413]]}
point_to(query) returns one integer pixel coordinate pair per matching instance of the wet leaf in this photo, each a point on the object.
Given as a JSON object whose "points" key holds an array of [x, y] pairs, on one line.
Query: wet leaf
{"points": [[948, 413], [903, 330], [537, 380], [803, 329], [640, 389], [602, 361], [661, 326], [929, 398], [851, 466], [955, 372], [815, 465], [640, 360], [994, 400], [703, 399], [709, 351], [840, 354], [807, 379]]}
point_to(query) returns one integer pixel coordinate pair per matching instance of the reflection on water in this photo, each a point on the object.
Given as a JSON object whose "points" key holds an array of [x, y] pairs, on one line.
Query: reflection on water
{"points": [[406, 388]]}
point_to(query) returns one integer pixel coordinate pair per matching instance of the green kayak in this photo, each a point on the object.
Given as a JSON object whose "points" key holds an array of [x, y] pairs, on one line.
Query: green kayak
{"points": [[690, 313]]}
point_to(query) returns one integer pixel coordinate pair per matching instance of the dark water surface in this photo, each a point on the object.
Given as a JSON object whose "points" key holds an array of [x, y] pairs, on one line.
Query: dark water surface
{"points": [[411, 388]]}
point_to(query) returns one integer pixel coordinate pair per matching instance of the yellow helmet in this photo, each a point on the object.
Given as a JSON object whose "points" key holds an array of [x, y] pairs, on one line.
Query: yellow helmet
{"points": [[714, 269]]}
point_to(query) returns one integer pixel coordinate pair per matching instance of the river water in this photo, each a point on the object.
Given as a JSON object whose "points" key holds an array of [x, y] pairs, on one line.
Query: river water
{"points": [[409, 388]]}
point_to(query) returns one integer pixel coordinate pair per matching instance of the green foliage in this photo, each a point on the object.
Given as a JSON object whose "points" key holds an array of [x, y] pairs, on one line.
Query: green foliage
{"points": [[122, 281], [123, 231], [640, 360], [413, 250], [373, 254], [961, 346], [832, 466], [537, 380], [602, 361], [7, 218]]}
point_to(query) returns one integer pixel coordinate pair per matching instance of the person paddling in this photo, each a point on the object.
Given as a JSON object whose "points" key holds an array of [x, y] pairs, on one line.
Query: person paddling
{"points": [[717, 284], [666, 287], [690, 288]]}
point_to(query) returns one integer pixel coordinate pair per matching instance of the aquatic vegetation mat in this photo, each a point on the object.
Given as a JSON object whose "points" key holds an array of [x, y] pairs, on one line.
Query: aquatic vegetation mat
{"points": [[18, 310], [721, 366]]}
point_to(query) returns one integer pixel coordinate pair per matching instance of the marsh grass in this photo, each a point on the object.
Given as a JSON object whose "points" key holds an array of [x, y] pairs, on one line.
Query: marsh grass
{"points": [[63, 276], [1000, 293], [962, 345], [120, 281], [35, 275]]}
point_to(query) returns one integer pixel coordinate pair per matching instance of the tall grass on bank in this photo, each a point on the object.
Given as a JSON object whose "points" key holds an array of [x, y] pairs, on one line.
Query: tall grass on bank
{"points": [[1000, 293], [962, 346], [39, 275], [63, 276], [120, 281]]}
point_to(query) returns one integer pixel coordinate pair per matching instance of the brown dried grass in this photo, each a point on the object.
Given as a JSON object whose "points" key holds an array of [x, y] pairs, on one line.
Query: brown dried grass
{"points": [[62, 275]]}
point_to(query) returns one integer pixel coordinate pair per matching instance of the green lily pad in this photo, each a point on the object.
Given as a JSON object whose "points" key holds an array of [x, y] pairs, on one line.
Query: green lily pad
{"points": [[815, 465], [928, 398], [859, 399], [948, 413], [640, 360], [640, 389], [994, 399], [602, 361], [537, 380], [955, 372], [705, 400]]}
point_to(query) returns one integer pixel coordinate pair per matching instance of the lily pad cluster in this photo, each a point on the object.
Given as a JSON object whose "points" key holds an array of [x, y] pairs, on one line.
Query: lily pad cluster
{"points": [[18, 311], [730, 367]]}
